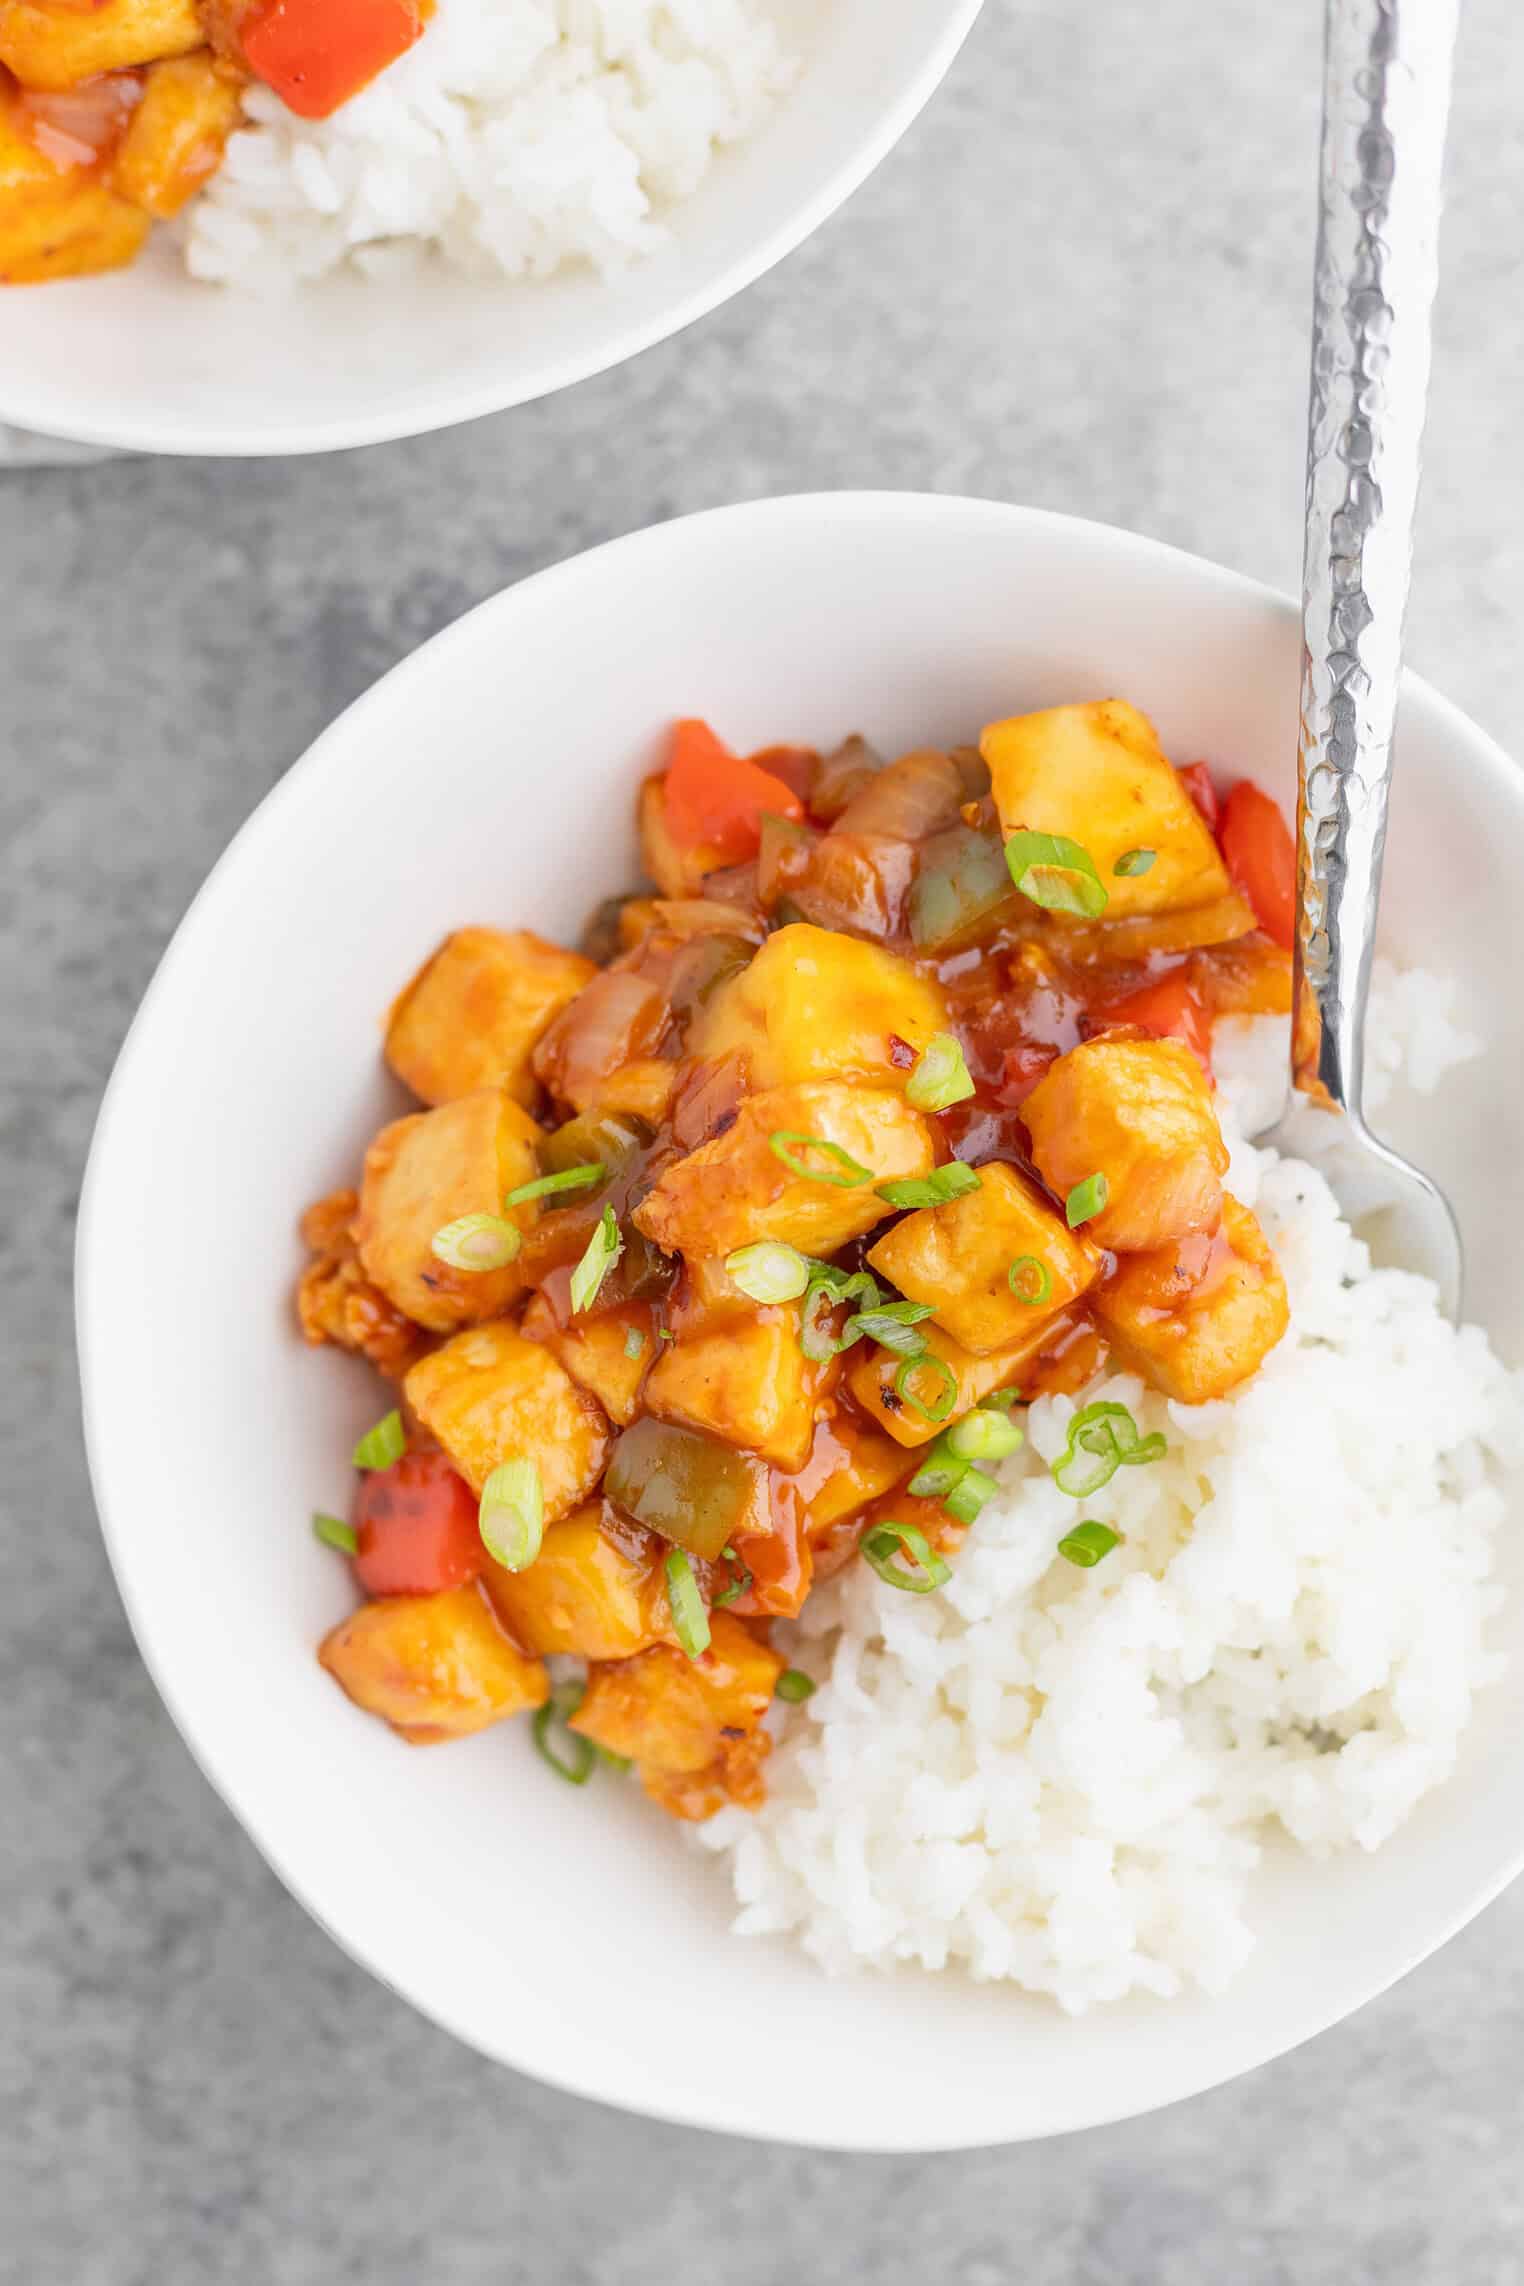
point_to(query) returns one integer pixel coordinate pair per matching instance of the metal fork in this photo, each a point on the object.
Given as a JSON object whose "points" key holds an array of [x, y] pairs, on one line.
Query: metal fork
{"points": [[1386, 94]]}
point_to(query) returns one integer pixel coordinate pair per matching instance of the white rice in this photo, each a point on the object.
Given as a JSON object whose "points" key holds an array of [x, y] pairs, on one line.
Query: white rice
{"points": [[1064, 1778], [515, 136]]}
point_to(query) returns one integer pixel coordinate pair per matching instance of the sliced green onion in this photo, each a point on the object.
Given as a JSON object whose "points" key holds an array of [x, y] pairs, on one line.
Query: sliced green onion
{"points": [[884, 1546], [1055, 873], [827, 1288], [891, 1325], [602, 1251], [383, 1444], [1086, 1200], [569, 1179], [794, 1686], [335, 1533], [511, 1514], [940, 1078], [477, 1242], [1001, 1400], [689, 1617], [938, 1472], [613, 1761], [581, 1753], [733, 1588], [852, 1173], [634, 1343], [982, 1436], [954, 1181], [1102, 1438], [927, 1362], [1029, 1280], [1134, 861], [1088, 1542], [968, 1495], [769, 1271]]}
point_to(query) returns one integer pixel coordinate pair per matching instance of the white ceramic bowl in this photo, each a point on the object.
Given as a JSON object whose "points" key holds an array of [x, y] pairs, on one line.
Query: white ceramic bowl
{"points": [[150, 360], [489, 778]]}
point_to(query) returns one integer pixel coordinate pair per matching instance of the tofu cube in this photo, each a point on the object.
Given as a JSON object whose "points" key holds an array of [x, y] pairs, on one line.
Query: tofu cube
{"points": [[424, 1172], [55, 47], [1097, 775], [433, 1666], [176, 136], [958, 1258], [691, 1726], [747, 1381], [596, 1590], [816, 1005], [1139, 1112], [967, 1379], [472, 1015], [1199, 1317], [736, 1189], [490, 1395]]}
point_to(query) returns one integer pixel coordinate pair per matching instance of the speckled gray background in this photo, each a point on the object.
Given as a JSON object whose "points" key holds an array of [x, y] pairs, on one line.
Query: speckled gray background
{"points": [[1082, 281]]}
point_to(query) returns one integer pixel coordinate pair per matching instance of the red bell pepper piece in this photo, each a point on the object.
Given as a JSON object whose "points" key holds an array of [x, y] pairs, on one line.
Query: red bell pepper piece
{"points": [[316, 54], [416, 1528], [716, 800], [1197, 781], [1261, 856], [1171, 1011]]}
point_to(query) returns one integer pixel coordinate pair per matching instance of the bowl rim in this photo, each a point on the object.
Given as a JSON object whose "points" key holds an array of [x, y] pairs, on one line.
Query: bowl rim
{"points": [[441, 405], [269, 817]]}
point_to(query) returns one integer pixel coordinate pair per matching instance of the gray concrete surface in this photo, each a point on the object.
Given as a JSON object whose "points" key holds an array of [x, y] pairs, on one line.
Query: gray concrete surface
{"points": [[1082, 281]]}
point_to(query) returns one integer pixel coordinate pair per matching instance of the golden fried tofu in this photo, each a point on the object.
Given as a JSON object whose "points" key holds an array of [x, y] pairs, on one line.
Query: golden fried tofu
{"points": [[423, 1173], [472, 1015], [433, 1666], [596, 1589], [490, 1395], [335, 1301], [1139, 1112], [1198, 1317], [816, 1005], [959, 1257], [177, 135], [50, 46], [747, 1381], [691, 1726], [735, 1189], [1097, 775], [56, 221], [597, 1352], [900, 1397], [677, 871]]}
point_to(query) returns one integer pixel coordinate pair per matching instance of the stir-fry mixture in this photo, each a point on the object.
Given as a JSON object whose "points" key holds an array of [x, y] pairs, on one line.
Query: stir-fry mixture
{"points": [[113, 113], [727, 1250]]}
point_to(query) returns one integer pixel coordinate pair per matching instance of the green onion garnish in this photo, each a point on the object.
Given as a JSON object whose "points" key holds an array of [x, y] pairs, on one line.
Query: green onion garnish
{"points": [[383, 1444], [1085, 1200], [602, 1251], [1029, 1280], [477, 1242], [851, 1172], [940, 1078], [794, 1686], [954, 1181], [982, 1436], [1133, 861], [1102, 1439], [689, 1618], [1087, 1543], [769, 1271], [968, 1495], [891, 1325], [569, 1179], [335, 1533], [927, 1362], [938, 1472], [737, 1586], [511, 1514], [829, 1286], [581, 1752], [1055, 873], [634, 1343], [884, 1546]]}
